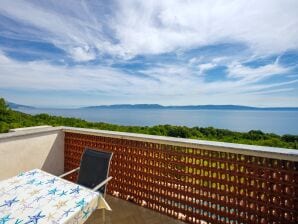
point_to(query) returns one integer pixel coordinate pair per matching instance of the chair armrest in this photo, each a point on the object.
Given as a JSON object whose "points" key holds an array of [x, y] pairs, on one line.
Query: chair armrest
{"points": [[70, 172], [102, 183]]}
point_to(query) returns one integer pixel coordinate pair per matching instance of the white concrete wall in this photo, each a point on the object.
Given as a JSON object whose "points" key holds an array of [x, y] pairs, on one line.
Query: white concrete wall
{"points": [[27, 149]]}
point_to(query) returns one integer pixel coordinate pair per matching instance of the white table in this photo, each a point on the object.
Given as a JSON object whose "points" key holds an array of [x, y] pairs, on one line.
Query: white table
{"points": [[37, 197]]}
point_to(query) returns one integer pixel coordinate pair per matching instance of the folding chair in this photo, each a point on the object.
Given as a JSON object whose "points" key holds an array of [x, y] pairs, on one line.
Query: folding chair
{"points": [[93, 170]]}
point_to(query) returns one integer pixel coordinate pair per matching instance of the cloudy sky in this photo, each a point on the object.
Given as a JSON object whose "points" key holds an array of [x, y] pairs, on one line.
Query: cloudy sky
{"points": [[77, 53]]}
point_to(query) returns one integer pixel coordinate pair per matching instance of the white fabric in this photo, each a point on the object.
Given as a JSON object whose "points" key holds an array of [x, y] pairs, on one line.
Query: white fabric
{"points": [[37, 197]]}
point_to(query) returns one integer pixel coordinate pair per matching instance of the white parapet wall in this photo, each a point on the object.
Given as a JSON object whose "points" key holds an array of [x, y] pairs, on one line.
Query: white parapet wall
{"points": [[243, 149], [29, 148], [30, 128]]}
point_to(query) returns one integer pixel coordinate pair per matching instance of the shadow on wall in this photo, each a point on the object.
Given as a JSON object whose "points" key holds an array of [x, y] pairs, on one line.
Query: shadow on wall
{"points": [[23, 151], [54, 162]]}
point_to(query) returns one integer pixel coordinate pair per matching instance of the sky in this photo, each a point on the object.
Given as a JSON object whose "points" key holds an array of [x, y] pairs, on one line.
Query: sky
{"points": [[75, 53]]}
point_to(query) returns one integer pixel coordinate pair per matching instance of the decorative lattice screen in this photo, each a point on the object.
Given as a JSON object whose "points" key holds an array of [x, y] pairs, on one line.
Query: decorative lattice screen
{"points": [[195, 184]]}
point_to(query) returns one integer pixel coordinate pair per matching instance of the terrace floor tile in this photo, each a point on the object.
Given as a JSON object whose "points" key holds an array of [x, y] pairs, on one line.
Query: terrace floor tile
{"points": [[125, 212]]}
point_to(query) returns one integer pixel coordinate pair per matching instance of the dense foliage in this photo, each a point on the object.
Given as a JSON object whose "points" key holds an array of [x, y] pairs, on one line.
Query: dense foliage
{"points": [[13, 119]]}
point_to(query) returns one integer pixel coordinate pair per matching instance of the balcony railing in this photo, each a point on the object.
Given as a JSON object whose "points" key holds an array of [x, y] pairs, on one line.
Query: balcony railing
{"points": [[195, 181]]}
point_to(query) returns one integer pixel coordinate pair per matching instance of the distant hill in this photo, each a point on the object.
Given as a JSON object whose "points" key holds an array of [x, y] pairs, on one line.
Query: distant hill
{"points": [[127, 106], [161, 107], [189, 107], [18, 106]]}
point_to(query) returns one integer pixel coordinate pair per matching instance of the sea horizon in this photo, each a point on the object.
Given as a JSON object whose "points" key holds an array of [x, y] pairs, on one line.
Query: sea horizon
{"points": [[277, 122], [160, 106]]}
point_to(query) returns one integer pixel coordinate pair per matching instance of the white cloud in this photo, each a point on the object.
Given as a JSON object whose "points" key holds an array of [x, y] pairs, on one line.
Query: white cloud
{"points": [[135, 27], [82, 54], [273, 91], [163, 26], [166, 84], [90, 30], [41, 75], [237, 70]]}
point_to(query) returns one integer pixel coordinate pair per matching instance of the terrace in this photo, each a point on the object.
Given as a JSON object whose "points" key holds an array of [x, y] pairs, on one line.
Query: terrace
{"points": [[164, 180]]}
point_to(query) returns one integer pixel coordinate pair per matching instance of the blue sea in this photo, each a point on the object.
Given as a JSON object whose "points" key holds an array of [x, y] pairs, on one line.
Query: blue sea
{"points": [[278, 122]]}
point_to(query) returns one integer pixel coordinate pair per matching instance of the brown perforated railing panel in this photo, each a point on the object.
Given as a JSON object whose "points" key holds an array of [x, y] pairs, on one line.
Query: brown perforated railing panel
{"points": [[195, 185]]}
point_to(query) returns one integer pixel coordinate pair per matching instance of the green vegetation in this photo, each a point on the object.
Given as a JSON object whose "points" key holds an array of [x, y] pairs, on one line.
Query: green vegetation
{"points": [[13, 119]]}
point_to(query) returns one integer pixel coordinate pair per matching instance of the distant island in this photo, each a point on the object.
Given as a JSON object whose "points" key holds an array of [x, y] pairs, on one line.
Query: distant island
{"points": [[188, 107], [161, 107]]}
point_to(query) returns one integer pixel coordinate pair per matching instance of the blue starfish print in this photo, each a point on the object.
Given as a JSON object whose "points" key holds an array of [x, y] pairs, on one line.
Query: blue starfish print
{"points": [[86, 213], [9, 203], [66, 213], [53, 191], [39, 183], [32, 173], [81, 204], [63, 193], [34, 219], [38, 198], [18, 221], [17, 187], [75, 190], [5, 219], [30, 181], [52, 181]]}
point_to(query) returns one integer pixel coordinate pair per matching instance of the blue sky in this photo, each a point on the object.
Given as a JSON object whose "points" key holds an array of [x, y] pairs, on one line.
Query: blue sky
{"points": [[79, 53]]}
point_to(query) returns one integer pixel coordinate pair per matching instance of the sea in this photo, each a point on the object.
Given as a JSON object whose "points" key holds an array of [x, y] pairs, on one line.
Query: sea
{"points": [[278, 122]]}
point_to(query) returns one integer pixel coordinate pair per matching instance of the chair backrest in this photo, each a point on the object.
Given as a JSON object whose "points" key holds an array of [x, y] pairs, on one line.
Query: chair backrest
{"points": [[94, 168]]}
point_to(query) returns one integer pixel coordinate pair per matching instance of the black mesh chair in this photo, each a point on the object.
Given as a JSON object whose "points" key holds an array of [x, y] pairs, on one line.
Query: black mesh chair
{"points": [[93, 170]]}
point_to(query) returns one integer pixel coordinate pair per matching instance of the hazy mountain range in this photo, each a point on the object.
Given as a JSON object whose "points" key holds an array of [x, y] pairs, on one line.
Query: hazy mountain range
{"points": [[187, 107], [157, 106]]}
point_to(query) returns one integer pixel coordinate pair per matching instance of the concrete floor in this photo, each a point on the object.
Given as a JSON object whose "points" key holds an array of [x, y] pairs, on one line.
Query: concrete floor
{"points": [[128, 213]]}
